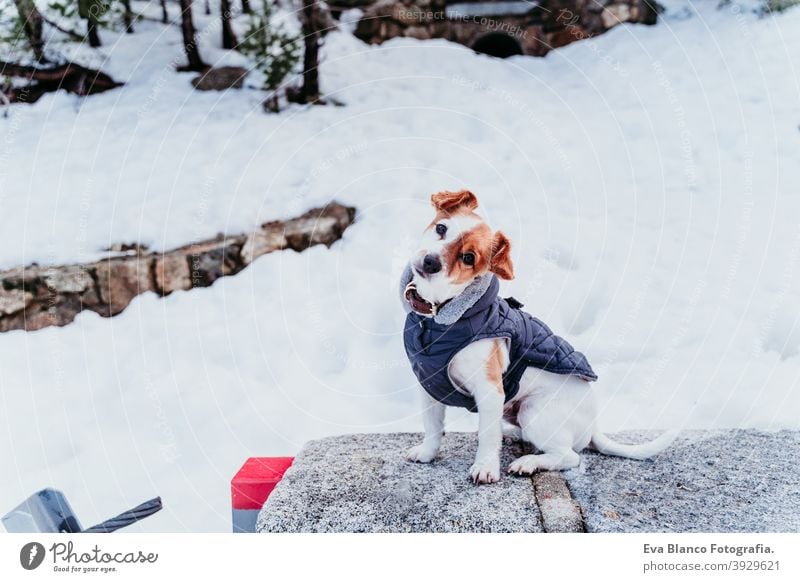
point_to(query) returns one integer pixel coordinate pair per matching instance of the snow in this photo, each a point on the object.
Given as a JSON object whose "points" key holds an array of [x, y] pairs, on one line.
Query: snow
{"points": [[648, 179]]}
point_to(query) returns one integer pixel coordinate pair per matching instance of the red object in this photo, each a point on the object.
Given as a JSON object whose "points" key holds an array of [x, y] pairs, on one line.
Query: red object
{"points": [[251, 486]]}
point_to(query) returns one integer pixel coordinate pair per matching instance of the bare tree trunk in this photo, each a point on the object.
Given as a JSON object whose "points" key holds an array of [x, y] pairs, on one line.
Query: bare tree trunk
{"points": [[91, 11], [91, 30], [228, 37], [164, 13], [246, 7], [32, 19], [195, 63], [311, 53], [128, 16]]}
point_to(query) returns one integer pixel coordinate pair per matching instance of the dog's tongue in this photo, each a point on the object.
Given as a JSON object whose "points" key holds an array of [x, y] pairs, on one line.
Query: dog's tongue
{"points": [[416, 302]]}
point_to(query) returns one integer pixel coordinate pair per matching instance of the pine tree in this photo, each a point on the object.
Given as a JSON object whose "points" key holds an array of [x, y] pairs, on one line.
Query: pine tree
{"points": [[275, 51]]}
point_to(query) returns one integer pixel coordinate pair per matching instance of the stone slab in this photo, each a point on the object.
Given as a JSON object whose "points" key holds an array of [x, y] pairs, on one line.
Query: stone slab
{"points": [[362, 483], [720, 481]]}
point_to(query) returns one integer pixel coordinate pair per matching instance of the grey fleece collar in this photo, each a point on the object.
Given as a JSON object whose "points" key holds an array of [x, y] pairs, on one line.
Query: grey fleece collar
{"points": [[456, 307]]}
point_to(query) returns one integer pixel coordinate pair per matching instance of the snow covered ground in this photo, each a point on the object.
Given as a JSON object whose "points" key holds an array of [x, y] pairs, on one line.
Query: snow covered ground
{"points": [[649, 180]]}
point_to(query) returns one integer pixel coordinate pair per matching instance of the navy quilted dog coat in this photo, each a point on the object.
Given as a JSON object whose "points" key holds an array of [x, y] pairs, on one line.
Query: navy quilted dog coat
{"points": [[430, 346]]}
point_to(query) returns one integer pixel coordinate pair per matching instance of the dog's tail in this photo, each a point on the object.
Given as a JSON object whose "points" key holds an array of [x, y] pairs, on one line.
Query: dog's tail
{"points": [[639, 452]]}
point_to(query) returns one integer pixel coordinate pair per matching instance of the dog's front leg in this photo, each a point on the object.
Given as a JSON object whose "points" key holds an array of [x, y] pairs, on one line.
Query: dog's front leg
{"points": [[433, 422], [478, 368], [486, 468]]}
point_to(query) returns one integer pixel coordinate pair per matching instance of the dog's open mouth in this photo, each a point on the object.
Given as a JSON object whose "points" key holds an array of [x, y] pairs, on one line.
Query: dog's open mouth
{"points": [[417, 303]]}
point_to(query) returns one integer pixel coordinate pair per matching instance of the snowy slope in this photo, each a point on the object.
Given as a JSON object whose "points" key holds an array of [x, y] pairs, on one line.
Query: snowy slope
{"points": [[648, 179]]}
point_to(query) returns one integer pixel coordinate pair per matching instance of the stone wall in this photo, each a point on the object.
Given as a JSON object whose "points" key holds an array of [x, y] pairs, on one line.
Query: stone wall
{"points": [[548, 25], [35, 297]]}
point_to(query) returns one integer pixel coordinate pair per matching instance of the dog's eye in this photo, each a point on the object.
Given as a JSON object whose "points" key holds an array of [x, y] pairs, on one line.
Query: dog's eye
{"points": [[441, 229], [468, 258]]}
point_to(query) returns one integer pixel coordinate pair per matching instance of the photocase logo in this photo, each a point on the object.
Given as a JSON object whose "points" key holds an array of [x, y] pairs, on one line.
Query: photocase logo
{"points": [[31, 555]]}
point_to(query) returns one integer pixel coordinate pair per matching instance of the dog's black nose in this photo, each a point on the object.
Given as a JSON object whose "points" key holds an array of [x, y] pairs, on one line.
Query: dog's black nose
{"points": [[431, 264]]}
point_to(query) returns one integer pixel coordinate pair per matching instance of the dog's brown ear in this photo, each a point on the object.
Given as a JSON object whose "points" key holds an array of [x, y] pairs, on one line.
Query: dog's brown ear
{"points": [[449, 202], [501, 264]]}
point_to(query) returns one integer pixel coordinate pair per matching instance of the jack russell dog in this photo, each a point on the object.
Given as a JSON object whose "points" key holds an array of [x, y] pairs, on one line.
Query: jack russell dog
{"points": [[470, 348]]}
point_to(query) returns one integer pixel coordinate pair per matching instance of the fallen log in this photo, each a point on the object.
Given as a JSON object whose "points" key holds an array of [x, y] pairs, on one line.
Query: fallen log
{"points": [[71, 77]]}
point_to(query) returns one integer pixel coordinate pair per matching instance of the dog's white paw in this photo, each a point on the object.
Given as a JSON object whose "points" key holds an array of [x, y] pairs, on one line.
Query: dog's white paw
{"points": [[485, 471], [525, 465], [421, 454]]}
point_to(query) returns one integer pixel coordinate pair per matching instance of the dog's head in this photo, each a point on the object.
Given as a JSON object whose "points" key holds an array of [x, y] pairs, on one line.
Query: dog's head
{"points": [[456, 248]]}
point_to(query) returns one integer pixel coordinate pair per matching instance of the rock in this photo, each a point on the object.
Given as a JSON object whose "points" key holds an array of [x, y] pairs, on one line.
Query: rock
{"points": [[320, 226], [389, 29], [69, 279], [419, 32], [317, 226], [353, 3], [172, 273], [207, 263], [363, 483], [20, 278], [14, 300], [268, 239], [128, 248], [566, 36], [615, 14], [220, 79], [59, 314], [120, 280], [301, 234], [368, 30], [382, 8]]}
